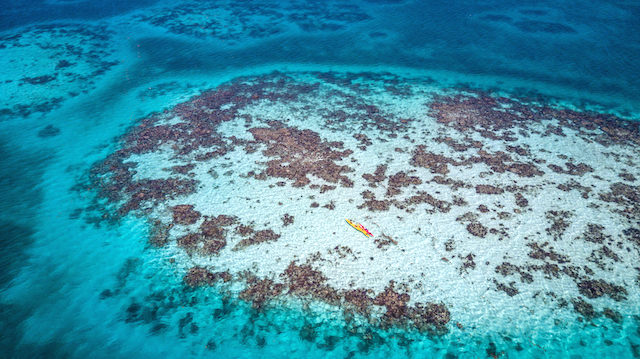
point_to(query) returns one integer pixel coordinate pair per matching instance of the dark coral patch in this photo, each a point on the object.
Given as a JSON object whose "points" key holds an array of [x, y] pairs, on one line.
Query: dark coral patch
{"points": [[287, 219], [304, 280], [627, 176], [189, 241], [373, 204], [627, 198], [434, 162], [510, 288], [185, 214], [424, 197], [399, 180], [377, 176], [49, 131], [572, 169], [583, 308], [477, 229], [496, 117], [598, 288], [383, 240], [395, 303], [430, 317], [574, 185], [182, 169], [260, 291], [359, 299], [39, 80], [200, 276], [265, 235], [300, 153], [213, 233], [521, 201], [488, 189], [159, 234], [559, 222], [595, 233], [545, 251]]}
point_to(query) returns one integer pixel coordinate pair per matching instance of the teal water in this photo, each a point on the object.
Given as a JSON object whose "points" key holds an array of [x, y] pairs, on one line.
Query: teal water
{"points": [[77, 75]]}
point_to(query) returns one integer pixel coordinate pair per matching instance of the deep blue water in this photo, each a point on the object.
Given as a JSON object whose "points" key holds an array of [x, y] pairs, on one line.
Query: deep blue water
{"points": [[21, 13], [587, 54]]}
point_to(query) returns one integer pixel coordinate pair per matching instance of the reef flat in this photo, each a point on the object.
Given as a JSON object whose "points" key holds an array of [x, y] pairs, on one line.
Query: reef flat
{"points": [[486, 209]]}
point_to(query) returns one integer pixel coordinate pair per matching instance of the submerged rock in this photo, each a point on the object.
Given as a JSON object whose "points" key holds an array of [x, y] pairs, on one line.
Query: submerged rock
{"points": [[49, 131]]}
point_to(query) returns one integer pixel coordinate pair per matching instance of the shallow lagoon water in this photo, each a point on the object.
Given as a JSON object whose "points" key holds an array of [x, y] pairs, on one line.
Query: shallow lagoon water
{"points": [[79, 286]]}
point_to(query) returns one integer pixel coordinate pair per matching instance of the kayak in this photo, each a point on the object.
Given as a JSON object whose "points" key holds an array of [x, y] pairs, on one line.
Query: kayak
{"points": [[360, 228]]}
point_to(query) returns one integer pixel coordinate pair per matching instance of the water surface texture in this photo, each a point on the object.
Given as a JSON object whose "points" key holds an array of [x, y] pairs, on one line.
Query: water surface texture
{"points": [[175, 179]]}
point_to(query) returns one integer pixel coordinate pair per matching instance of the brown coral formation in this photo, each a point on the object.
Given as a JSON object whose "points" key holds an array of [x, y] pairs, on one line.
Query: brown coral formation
{"points": [[395, 303], [199, 276], [595, 233], [572, 169], [189, 242], [287, 219], [154, 191], [434, 162], [265, 235], [302, 280], [300, 153], [185, 214], [424, 197], [431, 317], [583, 308], [213, 234], [159, 234], [559, 222], [545, 251], [373, 204], [499, 162], [598, 288], [496, 118], [488, 189], [521, 201], [454, 184], [627, 198], [477, 229], [258, 292], [382, 241], [363, 139], [359, 299], [400, 180], [377, 176]]}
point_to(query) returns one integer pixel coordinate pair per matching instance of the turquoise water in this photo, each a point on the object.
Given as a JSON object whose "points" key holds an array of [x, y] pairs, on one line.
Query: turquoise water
{"points": [[77, 76]]}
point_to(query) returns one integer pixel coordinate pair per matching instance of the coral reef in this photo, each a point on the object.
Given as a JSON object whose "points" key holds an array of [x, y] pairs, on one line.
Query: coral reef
{"points": [[473, 179]]}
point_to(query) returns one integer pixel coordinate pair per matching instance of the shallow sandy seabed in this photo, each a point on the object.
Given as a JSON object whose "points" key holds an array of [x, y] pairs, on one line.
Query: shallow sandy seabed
{"points": [[483, 209]]}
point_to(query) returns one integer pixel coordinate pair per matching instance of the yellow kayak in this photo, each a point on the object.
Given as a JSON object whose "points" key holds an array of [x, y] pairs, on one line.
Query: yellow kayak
{"points": [[360, 228]]}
